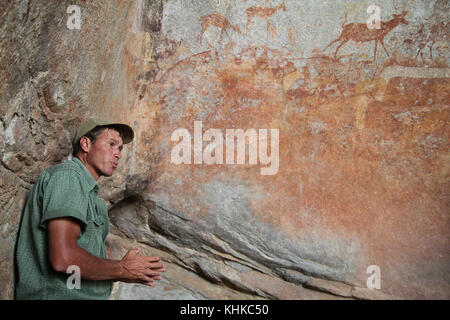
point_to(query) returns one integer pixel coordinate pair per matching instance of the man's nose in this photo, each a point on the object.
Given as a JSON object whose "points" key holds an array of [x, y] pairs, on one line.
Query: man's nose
{"points": [[117, 154]]}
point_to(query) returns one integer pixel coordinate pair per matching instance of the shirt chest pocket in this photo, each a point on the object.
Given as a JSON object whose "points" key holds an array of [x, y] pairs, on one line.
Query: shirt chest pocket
{"points": [[93, 236]]}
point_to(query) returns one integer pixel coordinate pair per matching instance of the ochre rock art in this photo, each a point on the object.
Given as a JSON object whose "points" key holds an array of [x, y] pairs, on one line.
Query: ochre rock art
{"points": [[264, 13], [218, 21], [359, 32], [433, 33]]}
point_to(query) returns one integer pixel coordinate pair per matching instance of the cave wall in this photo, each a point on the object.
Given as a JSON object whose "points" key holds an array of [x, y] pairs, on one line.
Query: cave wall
{"points": [[362, 148]]}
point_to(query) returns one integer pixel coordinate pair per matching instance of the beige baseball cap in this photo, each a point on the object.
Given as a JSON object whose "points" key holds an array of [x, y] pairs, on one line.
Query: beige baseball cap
{"points": [[125, 130]]}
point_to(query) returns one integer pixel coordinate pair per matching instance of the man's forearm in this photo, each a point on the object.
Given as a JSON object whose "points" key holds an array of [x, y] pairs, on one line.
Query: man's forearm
{"points": [[132, 268], [64, 252], [93, 267]]}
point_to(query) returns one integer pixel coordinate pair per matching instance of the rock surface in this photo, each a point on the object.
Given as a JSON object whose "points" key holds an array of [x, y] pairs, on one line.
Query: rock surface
{"points": [[363, 172]]}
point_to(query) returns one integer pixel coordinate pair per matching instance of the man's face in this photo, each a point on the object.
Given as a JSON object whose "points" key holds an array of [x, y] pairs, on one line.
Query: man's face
{"points": [[103, 155]]}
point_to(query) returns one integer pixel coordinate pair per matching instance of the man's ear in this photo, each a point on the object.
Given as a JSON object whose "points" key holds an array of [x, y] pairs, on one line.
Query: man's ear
{"points": [[85, 144]]}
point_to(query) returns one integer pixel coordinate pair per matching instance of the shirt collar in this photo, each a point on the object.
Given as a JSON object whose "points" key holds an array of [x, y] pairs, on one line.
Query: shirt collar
{"points": [[90, 181]]}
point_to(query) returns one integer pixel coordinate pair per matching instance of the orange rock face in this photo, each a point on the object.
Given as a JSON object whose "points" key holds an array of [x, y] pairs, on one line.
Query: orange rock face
{"points": [[363, 153]]}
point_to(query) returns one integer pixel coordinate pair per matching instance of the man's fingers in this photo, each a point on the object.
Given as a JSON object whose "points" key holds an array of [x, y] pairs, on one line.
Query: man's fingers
{"points": [[153, 259], [159, 269], [146, 280], [146, 268], [147, 283], [152, 273], [155, 265]]}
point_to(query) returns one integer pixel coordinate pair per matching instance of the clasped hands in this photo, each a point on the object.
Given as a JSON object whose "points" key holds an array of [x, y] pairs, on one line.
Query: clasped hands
{"points": [[141, 269]]}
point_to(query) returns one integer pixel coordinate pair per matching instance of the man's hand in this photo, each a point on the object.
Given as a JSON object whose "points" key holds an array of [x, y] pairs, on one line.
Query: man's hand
{"points": [[141, 269]]}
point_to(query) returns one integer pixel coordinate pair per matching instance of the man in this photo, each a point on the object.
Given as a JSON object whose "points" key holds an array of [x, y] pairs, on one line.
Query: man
{"points": [[65, 224]]}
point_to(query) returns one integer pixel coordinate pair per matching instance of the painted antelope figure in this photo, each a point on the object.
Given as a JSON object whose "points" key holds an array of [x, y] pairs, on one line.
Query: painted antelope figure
{"points": [[433, 33], [216, 20], [262, 12], [359, 32]]}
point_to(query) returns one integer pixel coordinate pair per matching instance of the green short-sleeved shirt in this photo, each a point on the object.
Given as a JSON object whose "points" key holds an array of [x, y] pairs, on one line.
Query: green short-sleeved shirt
{"points": [[63, 190]]}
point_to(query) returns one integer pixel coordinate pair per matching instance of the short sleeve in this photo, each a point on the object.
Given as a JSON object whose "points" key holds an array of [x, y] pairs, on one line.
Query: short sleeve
{"points": [[63, 196]]}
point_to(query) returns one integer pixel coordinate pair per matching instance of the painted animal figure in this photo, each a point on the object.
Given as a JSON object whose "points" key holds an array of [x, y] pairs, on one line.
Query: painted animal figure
{"points": [[436, 32], [262, 12], [359, 32], [218, 21]]}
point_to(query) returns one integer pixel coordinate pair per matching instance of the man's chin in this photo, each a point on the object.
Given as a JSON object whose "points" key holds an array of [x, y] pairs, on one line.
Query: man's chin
{"points": [[108, 173]]}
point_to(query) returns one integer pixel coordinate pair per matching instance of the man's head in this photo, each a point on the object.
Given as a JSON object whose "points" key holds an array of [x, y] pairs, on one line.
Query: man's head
{"points": [[98, 145]]}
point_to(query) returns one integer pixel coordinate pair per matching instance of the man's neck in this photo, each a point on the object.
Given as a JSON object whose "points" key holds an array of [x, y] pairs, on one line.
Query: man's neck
{"points": [[90, 168]]}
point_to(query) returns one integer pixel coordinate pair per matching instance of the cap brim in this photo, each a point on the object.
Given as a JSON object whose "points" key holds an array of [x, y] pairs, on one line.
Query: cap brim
{"points": [[125, 131]]}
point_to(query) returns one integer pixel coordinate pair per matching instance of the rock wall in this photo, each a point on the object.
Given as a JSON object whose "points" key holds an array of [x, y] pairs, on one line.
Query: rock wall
{"points": [[346, 165], [52, 78]]}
